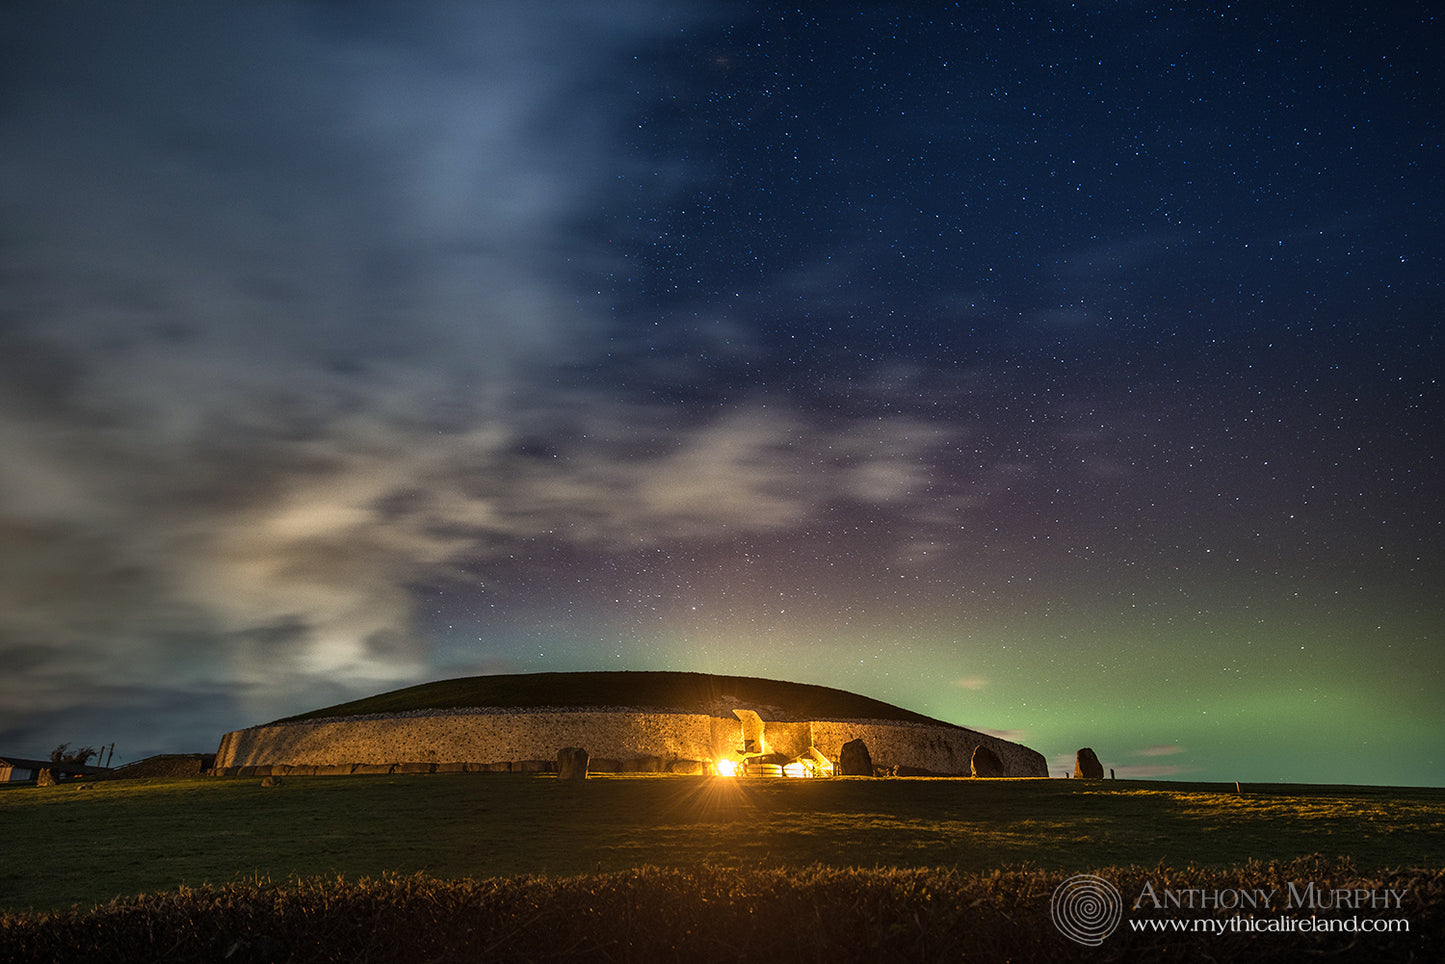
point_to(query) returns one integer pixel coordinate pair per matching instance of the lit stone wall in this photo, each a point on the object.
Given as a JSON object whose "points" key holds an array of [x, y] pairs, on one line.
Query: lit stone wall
{"points": [[481, 737], [476, 738], [936, 749]]}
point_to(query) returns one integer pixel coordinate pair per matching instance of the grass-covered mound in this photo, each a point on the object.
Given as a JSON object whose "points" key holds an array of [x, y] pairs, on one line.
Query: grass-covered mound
{"points": [[709, 914], [685, 692], [165, 765]]}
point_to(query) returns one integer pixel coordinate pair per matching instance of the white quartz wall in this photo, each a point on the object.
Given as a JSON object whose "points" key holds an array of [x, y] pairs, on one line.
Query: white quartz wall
{"points": [[493, 737], [475, 738], [936, 749]]}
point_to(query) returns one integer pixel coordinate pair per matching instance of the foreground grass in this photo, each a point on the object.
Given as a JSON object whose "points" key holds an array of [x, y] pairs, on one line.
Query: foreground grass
{"points": [[711, 914], [86, 846]]}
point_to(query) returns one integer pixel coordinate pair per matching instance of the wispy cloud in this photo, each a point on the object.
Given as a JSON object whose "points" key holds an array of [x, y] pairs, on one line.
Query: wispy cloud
{"points": [[1138, 772], [1135, 771], [280, 307], [1014, 736], [286, 342]]}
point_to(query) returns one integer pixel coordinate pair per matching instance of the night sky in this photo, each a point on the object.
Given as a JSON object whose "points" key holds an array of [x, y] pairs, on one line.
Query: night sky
{"points": [[1070, 371]]}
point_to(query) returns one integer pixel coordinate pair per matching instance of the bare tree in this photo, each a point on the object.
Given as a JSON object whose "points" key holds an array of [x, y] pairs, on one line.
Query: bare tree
{"points": [[62, 754]]}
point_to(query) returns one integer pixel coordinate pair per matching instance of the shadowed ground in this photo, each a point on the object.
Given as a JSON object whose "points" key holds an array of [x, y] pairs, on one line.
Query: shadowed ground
{"points": [[129, 837]]}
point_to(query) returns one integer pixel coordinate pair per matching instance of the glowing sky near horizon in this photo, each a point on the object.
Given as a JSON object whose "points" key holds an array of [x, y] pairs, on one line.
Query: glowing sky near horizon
{"points": [[1066, 371]]}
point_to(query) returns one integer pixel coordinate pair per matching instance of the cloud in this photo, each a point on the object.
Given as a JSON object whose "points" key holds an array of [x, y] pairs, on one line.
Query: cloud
{"points": [[1013, 736], [971, 682], [1150, 771], [262, 296], [1131, 771], [305, 318], [287, 312], [1134, 772]]}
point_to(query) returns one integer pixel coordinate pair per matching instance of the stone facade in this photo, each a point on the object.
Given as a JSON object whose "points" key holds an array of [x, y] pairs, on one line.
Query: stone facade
{"points": [[667, 742]]}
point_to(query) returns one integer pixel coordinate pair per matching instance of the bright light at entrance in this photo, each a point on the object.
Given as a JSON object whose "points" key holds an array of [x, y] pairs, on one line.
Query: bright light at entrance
{"points": [[727, 768]]}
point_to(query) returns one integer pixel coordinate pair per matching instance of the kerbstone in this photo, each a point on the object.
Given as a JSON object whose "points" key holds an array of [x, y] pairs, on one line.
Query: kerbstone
{"points": [[572, 763]]}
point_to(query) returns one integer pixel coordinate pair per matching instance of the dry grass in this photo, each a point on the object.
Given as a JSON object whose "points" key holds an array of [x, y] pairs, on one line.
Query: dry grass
{"points": [[653, 868], [129, 837], [698, 915]]}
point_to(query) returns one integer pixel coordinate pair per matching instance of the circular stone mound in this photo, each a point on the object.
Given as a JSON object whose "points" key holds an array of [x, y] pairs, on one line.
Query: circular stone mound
{"points": [[672, 722]]}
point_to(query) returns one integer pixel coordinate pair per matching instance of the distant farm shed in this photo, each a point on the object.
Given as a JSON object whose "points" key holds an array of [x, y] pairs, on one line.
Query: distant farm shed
{"points": [[657, 722], [15, 769]]}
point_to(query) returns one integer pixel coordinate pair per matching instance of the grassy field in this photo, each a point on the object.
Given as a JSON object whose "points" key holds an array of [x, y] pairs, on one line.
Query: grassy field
{"points": [[67, 845], [705, 915]]}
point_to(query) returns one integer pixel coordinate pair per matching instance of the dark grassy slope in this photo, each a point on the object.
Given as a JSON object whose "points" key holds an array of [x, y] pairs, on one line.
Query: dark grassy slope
{"points": [[688, 692], [703, 915], [143, 836]]}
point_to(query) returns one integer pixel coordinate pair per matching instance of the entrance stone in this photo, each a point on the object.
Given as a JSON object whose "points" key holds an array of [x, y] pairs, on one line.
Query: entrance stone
{"points": [[854, 759]]}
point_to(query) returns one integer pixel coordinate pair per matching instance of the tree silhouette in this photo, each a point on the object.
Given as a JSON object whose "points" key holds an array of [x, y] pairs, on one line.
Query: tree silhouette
{"points": [[81, 756]]}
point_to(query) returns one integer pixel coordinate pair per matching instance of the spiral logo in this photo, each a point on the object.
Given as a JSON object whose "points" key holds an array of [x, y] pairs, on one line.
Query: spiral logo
{"points": [[1086, 909]]}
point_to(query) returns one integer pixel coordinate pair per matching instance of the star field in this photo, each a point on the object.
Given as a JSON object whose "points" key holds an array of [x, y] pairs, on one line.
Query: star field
{"points": [[1067, 371]]}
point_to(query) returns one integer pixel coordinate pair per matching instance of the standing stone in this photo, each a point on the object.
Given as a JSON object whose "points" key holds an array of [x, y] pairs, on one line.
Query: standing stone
{"points": [[854, 760], [572, 763], [1087, 765], [985, 763]]}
